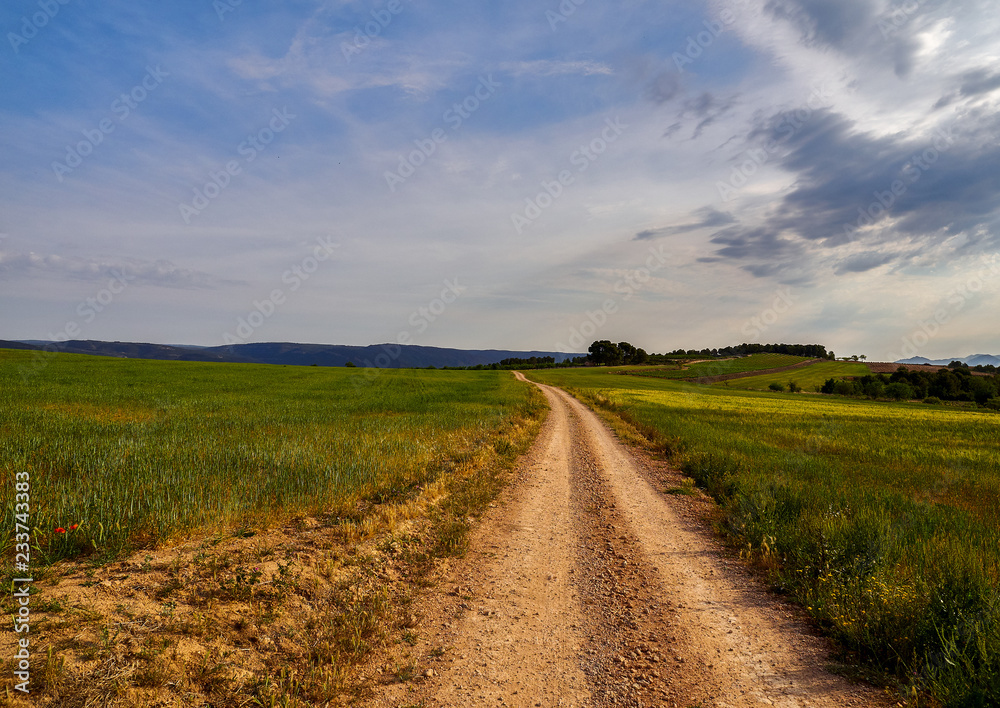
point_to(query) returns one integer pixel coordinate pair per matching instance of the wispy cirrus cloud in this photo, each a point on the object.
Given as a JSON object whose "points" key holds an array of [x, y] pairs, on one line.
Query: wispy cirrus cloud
{"points": [[705, 218], [162, 273], [552, 67]]}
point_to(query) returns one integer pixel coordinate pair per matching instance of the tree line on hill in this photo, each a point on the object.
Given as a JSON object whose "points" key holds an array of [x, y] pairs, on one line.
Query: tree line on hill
{"points": [[604, 352], [811, 351], [530, 361], [982, 368], [607, 353], [951, 384]]}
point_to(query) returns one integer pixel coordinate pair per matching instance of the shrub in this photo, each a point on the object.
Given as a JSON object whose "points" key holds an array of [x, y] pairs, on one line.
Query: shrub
{"points": [[794, 387], [993, 404], [900, 391], [874, 389], [844, 388], [776, 387], [932, 401]]}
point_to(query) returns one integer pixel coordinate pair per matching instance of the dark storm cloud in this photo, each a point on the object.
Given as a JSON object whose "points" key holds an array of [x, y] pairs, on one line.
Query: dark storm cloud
{"points": [[834, 24], [905, 192], [762, 243], [857, 28], [904, 54], [862, 262], [978, 82], [974, 83], [767, 253], [706, 217]]}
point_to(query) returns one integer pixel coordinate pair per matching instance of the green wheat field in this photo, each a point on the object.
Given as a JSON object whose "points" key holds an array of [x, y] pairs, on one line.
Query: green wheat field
{"points": [[882, 519], [136, 453]]}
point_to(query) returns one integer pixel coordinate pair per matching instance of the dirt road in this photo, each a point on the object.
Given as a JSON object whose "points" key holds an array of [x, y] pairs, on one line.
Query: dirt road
{"points": [[587, 586]]}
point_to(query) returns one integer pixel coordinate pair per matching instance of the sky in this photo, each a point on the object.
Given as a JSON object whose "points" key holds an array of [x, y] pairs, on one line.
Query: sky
{"points": [[528, 175]]}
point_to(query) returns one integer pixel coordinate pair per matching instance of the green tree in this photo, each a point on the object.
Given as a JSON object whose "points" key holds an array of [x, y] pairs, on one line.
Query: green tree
{"points": [[844, 388], [631, 354], [605, 352], [900, 391], [627, 350]]}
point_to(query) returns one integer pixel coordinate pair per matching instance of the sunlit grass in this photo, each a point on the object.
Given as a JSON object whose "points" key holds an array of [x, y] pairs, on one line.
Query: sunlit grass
{"points": [[139, 452], [810, 378], [754, 362], [883, 519]]}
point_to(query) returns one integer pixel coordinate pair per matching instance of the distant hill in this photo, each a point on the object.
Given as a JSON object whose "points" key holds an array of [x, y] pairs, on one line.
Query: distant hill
{"points": [[974, 360], [17, 345], [384, 356]]}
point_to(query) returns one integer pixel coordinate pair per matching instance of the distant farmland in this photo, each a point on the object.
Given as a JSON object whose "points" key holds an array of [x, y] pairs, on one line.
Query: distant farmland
{"points": [[810, 378], [720, 367]]}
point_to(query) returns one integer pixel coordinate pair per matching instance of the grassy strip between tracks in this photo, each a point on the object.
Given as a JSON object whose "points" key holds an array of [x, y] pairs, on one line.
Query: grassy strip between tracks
{"points": [[882, 519]]}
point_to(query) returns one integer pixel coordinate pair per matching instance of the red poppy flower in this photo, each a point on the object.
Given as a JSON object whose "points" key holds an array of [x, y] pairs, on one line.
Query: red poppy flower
{"points": [[60, 530], [73, 527]]}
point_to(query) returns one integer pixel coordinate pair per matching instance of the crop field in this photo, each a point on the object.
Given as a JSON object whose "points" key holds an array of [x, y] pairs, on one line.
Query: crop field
{"points": [[810, 378], [124, 454], [882, 519], [754, 362]]}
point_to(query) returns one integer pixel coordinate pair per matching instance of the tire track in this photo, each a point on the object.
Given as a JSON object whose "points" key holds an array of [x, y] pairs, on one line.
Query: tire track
{"points": [[587, 588]]}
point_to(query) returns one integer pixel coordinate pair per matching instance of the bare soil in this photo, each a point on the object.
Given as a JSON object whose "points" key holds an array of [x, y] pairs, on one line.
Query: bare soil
{"points": [[588, 585]]}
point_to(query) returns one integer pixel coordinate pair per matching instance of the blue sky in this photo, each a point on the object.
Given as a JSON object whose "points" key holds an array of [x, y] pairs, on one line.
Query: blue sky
{"points": [[667, 173]]}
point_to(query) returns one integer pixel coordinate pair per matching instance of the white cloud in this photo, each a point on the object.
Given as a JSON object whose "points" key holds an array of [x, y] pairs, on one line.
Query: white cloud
{"points": [[549, 67]]}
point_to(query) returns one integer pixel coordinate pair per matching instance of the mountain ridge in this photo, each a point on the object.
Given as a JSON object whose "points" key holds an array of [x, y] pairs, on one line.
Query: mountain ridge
{"points": [[384, 356], [972, 360]]}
